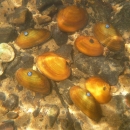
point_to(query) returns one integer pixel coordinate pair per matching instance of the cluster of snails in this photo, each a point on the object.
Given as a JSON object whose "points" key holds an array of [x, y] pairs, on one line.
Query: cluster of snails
{"points": [[55, 67]]}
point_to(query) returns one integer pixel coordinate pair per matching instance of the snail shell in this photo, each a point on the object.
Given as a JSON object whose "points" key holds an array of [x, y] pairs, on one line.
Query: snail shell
{"points": [[33, 80], [72, 18], [89, 45], [53, 66], [32, 37], [99, 89], [108, 36], [85, 102]]}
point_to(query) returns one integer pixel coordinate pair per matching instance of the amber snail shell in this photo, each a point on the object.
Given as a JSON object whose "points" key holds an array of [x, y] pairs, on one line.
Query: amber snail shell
{"points": [[99, 88], [89, 45], [33, 80], [108, 36], [53, 66], [85, 102], [32, 37], [72, 18]]}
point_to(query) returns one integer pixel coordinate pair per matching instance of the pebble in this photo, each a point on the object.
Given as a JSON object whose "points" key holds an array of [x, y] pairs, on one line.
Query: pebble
{"points": [[2, 96], [36, 112], [7, 125], [59, 36], [7, 34], [3, 110], [12, 115], [11, 102], [52, 114], [20, 16], [77, 126]]}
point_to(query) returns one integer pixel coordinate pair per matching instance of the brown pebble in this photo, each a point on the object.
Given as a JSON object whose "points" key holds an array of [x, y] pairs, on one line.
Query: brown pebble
{"points": [[12, 115], [11, 102], [7, 125]]}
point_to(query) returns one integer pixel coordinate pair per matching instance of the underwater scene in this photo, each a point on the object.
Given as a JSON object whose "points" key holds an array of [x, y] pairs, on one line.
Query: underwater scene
{"points": [[64, 64]]}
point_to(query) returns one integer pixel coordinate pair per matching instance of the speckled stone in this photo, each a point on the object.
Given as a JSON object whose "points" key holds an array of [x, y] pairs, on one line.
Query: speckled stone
{"points": [[108, 69], [11, 102]]}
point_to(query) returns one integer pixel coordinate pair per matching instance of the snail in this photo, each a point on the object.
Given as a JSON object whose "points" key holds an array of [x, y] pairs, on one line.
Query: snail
{"points": [[89, 45], [85, 102], [72, 18], [33, 80], [32, 37], [53, 66], [108, 36], [99, 88]]}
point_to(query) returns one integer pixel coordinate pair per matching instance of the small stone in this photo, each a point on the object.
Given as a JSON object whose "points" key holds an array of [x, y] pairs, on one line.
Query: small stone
{"points": [[77, 126], [50, 10], [20, 16], [42, 4], [11, 102], [12, 115], [7, 125], [36, 112], [66, 124], [3, 110], [127, 100], [59, 36], [41, 19], [52, 114], [2, 96], [66, 97], [7, 34]]}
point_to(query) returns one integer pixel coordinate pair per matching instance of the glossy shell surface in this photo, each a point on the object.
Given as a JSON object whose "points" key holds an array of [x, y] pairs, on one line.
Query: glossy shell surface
{"points": [[33, 80], [72, 18], [108, 36], [99, 88], [32, 37], [89, 45], [85, 102], [53, 66]]}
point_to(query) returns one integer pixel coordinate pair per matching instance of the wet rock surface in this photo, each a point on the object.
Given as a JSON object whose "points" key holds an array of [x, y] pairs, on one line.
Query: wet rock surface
{"points": [[26, 110], [108, 69]]}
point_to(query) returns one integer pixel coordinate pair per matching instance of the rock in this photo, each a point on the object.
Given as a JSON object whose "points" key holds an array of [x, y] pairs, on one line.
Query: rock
{"points": [[36, 112], [7, 34], [42, 4], [77, 126], [2, 96], [108, 69], [11, 102], [20, 16], [100, 11], [7, 125], [65, 52], [3, 110], [66, 124], [50, 10], [41, 19], [12, 115], [66, 97], [120, 19], [59, 36], [52, 114]]}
